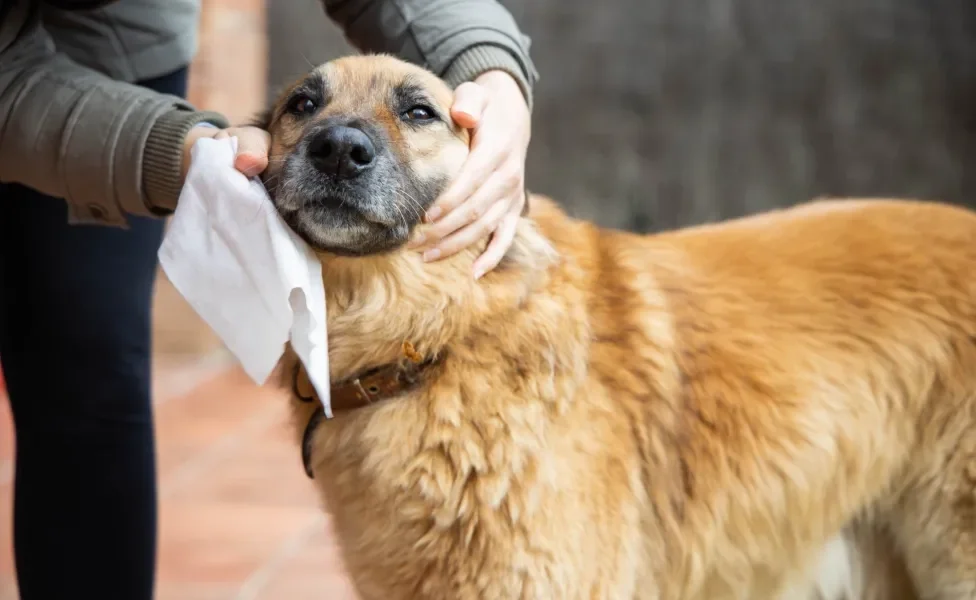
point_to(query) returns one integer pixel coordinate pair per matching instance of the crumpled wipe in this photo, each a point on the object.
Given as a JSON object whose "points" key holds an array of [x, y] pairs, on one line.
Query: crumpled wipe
{"points": [[252, 279]]}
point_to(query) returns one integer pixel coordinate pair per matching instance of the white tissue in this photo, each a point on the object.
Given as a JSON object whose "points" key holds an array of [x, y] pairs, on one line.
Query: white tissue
{"points": [[244, 271]]}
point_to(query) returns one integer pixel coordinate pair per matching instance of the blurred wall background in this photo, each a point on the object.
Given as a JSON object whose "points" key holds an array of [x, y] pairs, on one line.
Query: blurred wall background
{"points": [[657, 113]]}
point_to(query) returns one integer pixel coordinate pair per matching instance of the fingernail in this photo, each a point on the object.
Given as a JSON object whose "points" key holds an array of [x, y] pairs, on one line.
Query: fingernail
{"points": [[478, 274], [433, 213], [431, 254]]}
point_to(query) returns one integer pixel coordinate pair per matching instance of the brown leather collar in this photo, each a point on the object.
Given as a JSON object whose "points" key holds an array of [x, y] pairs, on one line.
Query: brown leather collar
{"points": [[373, 386]]}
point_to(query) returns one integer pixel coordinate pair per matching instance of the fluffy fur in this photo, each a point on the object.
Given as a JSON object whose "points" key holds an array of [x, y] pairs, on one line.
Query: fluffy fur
{"points": [[778, 407]]}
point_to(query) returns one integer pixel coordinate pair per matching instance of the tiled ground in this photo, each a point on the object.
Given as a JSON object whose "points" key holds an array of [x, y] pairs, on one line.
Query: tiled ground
{"points": [[238, 518]]}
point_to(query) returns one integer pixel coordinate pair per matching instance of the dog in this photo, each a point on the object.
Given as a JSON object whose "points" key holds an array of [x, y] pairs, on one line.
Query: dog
{"points": [[776, 407]]}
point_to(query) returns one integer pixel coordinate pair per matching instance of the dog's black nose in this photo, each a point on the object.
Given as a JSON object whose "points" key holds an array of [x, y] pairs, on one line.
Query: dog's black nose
{"points": [[342, 151]]}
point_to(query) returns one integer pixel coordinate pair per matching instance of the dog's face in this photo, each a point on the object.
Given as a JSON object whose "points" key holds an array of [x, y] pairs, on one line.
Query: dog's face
{"points": [[360, 148]]}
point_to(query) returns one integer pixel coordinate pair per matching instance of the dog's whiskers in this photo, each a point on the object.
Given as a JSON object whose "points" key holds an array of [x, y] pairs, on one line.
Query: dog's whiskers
{"points": [[396, 207], [306, 60], [419, 208], [271, 181], [407, 206]]}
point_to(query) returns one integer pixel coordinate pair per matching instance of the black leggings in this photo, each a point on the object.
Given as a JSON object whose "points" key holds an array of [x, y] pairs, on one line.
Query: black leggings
{"points": [[75, 319]]}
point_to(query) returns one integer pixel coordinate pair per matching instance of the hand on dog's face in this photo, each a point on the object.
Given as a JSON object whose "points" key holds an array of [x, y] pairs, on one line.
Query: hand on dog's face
{"points": [[360, 148]]}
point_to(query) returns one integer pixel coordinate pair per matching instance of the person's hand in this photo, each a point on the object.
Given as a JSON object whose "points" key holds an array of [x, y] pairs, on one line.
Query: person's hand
{"points": [[488, 194], [252, 147]]}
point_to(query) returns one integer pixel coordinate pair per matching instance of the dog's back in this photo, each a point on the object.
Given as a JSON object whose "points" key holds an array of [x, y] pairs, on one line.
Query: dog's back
{"points": [[801, 369]]}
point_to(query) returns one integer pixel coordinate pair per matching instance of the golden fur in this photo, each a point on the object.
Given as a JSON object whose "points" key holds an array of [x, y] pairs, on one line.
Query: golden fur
{"points": [[745, 410]]}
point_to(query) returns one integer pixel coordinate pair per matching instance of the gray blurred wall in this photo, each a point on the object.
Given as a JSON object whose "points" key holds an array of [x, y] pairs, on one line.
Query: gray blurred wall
{"points": [[652, 114]]}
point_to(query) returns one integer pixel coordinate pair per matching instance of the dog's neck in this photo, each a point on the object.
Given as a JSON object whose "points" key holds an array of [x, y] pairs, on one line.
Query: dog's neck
{"points": [[376, 303]]}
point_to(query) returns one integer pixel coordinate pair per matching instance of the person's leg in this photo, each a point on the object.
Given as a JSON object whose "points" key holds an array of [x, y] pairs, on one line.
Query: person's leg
{"points": [[75, 322]]}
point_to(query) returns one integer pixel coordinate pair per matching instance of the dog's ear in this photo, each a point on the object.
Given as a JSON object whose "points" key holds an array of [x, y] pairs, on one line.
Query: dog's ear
{"points": [[262, 120]]}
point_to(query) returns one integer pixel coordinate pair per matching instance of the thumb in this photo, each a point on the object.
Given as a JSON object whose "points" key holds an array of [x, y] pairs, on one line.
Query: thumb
{"points": [[469, 102], [252, 150]]}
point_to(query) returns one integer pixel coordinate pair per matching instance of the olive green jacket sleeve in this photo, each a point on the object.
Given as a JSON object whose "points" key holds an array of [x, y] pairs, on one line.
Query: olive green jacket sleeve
{"points": [[107, 147], [456, 39]]}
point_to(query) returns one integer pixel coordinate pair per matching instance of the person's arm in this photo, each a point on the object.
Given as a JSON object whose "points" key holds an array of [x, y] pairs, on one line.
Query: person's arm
{"points": [[109, 148], [456, 39]]}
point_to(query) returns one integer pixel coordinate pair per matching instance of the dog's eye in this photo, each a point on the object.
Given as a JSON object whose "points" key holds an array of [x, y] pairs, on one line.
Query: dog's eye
{"points": [[302, 105], [418, 113]]}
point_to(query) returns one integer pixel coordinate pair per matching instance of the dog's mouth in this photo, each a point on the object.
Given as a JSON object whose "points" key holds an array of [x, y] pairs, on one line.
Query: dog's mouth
{"points": [[350, 208], [348, 220]]}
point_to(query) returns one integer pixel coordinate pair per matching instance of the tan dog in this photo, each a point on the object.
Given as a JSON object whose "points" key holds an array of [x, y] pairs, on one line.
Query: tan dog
{"points": [[751, 410]]}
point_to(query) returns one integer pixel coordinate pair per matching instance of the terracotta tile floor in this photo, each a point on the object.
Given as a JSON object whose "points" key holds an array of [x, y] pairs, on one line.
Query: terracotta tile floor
{"points": [[238, 518]]}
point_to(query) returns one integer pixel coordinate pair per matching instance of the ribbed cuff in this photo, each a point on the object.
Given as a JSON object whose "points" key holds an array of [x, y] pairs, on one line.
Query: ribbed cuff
{"points": [[480, 59], [162, 161]]}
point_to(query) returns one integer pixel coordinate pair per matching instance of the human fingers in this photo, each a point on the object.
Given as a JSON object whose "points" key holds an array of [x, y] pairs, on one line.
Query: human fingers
{"points": [[253, 145], [501, 241], [468, 234], [470, 100]]}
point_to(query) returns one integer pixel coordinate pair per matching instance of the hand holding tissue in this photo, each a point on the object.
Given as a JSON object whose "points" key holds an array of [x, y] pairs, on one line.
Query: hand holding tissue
{"points": [[252, 279]]}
